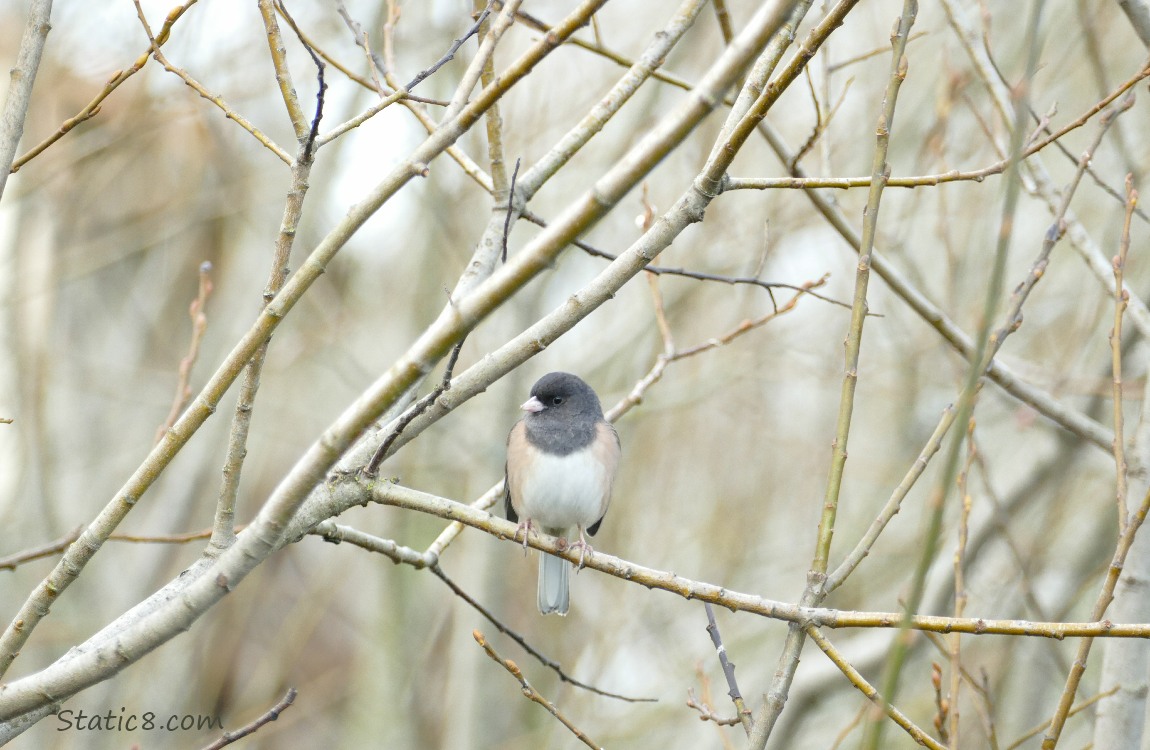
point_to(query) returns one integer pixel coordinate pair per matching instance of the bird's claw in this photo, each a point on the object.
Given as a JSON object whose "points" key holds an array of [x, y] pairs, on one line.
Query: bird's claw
{"points": [[585, 550], [525, 527]]}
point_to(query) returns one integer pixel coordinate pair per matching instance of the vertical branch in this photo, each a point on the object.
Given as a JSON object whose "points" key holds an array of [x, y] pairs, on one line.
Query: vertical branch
{"points": [[1130, 525], [1105, 597], [199, 327], [776, 696], [22, 77], [724, 19], [980, 360], [299, 121], [1121, 719], [960, 589], [880, 173], [493, 120], [1121, 296], [223, 525]]}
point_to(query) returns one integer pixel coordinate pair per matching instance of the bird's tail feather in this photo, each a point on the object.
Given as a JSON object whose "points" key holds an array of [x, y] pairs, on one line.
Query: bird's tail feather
{"points": [[553, 584]]}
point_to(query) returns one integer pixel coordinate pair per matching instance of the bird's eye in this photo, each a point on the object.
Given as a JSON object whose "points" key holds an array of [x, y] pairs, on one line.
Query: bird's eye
{"points": [[556, 400]]}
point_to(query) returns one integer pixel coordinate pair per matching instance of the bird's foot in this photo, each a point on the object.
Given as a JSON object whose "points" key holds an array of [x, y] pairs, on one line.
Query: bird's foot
{"points": [[585, 550], [525, 527]]}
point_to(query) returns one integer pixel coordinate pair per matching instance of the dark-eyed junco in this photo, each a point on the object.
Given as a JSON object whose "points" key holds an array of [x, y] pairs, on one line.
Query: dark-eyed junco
{"points": [[561, 462]]}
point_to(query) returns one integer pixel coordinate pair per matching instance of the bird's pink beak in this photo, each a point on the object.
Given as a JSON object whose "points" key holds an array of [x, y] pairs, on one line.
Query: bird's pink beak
{"points": [[532, 405]]}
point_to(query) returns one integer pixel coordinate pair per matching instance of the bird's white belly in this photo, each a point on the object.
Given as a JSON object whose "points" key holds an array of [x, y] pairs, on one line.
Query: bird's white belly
{"points": [[564, 491]]}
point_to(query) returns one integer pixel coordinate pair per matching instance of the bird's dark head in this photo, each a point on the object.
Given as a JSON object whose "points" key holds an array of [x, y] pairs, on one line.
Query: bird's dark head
{"points": [[561, 394]]}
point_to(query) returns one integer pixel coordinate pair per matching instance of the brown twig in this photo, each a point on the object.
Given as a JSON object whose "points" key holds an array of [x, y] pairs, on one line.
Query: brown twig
{"points": [[529, 692], [941, 705], [1121, 298], [184, 538], [977, 175], [360, 40], [11, 562], [706, 713], [92, 108], [950, 735], [655, 374], [980, 687], [821, 122], [215, 99], [267, 717], [835, 67], [199, 327]]}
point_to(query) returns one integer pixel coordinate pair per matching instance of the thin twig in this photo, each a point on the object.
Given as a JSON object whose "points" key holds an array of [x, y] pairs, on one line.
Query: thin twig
{"points": [[267, 717], [980, 688], [1121, 297], [697, 275], [190, 536], [199, 327], [525, 645], [510, 205], [420, 406], [724, 19], [489, 36], [706, 713], [528, 691], [215, 99], [1105, 597], [92, 108], [976, 175], [960, 596], [942, 715], [374, 62], [869, 691], [986, 347], [313, 131], [11, 562], [450, 54], [361, 40], [744, 714], [278, 52], [1040, 728], [892, 506], [835, 67]]}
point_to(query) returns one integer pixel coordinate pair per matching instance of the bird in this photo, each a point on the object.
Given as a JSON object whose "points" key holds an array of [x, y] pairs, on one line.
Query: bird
{"points": [[562, 457]]}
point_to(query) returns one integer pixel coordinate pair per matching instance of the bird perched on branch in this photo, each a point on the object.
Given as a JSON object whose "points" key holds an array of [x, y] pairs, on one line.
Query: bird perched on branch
{"points": [[561, 462]]}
